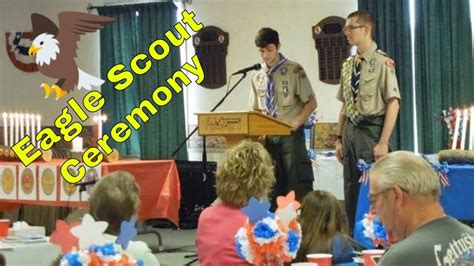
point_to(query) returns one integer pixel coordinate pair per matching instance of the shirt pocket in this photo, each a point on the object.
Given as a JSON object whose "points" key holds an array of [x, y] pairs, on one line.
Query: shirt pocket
{"points": [[367, 93], [286, 94]]}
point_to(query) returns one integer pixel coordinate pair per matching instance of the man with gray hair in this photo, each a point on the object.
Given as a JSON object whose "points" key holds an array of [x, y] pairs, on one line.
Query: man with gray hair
{"points": [[404, 192]]}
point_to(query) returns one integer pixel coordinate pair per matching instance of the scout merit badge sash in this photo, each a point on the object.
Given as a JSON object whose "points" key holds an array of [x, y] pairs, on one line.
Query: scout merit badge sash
{"points": [[351, 110], [270, 103]]}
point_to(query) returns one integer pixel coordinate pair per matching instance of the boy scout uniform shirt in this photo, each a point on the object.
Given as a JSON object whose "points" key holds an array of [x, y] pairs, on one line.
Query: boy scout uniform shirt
{"points": [[378, 82], [292, 90]]}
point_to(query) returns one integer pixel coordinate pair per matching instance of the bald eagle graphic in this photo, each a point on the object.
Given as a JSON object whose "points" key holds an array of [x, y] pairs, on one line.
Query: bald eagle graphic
{"points": [[55, 50]]}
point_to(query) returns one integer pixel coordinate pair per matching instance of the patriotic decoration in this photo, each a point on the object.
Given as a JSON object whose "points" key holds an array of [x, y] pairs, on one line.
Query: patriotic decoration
{"points": [[441, 170], [370, 232], [85, 243], [17, 44], [268, 238], [98, 255], [364, 169], [312, 158]]}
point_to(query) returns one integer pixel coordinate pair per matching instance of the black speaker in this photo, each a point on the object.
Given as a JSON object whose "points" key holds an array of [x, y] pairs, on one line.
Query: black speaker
{"points": [[197, 190]]}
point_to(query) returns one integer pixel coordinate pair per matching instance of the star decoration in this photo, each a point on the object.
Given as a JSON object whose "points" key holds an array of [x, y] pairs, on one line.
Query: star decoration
{"points": [[127, 233], [283, 201], [90, 232], [287, 214], [62, 236], [256, 210]]}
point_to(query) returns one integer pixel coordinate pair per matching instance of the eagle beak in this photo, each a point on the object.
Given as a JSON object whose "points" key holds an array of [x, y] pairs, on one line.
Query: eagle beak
{"points": [[33, 49]]}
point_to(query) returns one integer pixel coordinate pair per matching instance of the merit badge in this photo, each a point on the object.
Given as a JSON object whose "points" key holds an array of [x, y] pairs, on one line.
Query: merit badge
{"points": [[283, 70]]}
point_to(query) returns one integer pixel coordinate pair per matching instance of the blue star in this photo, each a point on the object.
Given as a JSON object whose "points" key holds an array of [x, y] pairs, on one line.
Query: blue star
{"points": [[127, 233], [256, 210]]}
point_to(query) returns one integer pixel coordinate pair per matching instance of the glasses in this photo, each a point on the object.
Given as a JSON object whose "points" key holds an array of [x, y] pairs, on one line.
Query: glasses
{"points": [[373, 197], [346, 29]]}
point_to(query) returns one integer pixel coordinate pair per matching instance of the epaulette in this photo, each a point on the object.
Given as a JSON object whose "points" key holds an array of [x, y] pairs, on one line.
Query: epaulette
{"points": [[382, 52]]}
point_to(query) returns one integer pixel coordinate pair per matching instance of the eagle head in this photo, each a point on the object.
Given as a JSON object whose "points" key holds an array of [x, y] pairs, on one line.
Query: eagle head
{"points": [[45, 47]]}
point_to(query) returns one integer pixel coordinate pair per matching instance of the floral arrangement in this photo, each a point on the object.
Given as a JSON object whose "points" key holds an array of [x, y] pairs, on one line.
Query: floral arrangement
{"points": [[268, 238], [97, 256]]}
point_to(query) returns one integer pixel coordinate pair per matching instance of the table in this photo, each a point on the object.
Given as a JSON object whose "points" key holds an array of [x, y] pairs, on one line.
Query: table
{"points": [[38, 254], [158, 180], [457, 199]]}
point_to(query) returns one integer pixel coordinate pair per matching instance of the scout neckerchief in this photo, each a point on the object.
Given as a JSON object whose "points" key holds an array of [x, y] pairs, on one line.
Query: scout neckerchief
{"points": [[348, 94], [270, 102]]}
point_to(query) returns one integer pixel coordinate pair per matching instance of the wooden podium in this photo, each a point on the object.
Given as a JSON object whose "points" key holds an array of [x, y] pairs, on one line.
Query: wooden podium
{"points": [[236, 126]]}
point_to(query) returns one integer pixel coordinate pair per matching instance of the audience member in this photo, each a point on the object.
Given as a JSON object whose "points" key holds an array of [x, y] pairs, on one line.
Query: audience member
{"points": [[404, 192], [324, 228], [246, 172], [114, 198]]}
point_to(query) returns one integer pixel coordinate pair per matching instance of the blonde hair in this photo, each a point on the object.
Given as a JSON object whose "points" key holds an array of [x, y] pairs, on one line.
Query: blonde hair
{"points": [[321, 218], [246, 171], [408, 171], [114, 198]]}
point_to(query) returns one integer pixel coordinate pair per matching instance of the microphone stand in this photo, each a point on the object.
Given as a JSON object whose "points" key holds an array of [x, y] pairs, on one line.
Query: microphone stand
{"points": [[204, 152]]}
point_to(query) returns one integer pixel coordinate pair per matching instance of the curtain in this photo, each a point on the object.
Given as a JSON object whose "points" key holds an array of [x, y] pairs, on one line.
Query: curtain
{"points": [[136, 28], [118, 45], [392, 35], [443, 56]]}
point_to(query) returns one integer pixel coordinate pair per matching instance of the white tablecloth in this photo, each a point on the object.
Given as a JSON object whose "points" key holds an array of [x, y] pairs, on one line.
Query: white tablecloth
{"points": [[329, 176], [35, 254]]}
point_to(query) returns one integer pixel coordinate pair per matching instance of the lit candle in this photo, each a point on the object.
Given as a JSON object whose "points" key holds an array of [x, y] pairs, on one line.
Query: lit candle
{"points": [[10, 116], [5, 130], [38, 128], [471, 129], [456, 129], [22, 125], [33, 129], [77, 143], [27, 125], [17, 127], [102, 119], [465, 117]]}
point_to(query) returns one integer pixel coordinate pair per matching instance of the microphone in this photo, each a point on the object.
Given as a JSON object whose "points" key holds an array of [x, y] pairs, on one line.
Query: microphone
{"points": [[87, 183], [247, 69]]}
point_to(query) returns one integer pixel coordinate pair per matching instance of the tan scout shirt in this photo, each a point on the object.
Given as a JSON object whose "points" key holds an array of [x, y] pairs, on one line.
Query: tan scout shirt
{"points": [[291, 86], [378, 82]]}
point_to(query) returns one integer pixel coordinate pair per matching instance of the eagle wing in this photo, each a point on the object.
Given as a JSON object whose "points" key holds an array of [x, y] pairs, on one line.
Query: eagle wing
{"points": [[74, 24], [42, 24]]}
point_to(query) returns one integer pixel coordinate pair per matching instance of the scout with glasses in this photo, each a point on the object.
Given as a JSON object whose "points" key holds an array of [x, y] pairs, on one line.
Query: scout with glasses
{"points": [[370, 101], [404, 193]]}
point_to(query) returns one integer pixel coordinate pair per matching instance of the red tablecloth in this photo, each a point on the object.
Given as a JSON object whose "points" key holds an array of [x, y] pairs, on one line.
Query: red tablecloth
{"points": [[160, 192]]}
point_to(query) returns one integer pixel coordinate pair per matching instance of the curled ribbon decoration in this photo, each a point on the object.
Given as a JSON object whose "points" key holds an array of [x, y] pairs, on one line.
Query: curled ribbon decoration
{"points": [[364, 169]]}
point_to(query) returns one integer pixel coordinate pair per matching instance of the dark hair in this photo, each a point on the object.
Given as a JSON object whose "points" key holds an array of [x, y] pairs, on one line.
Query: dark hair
{"points": [[266, 36], [364, 17]]}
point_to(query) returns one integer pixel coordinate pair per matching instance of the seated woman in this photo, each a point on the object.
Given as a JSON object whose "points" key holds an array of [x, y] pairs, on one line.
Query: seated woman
{"points": [[245, 172], [323, 228], [114, 198]]}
